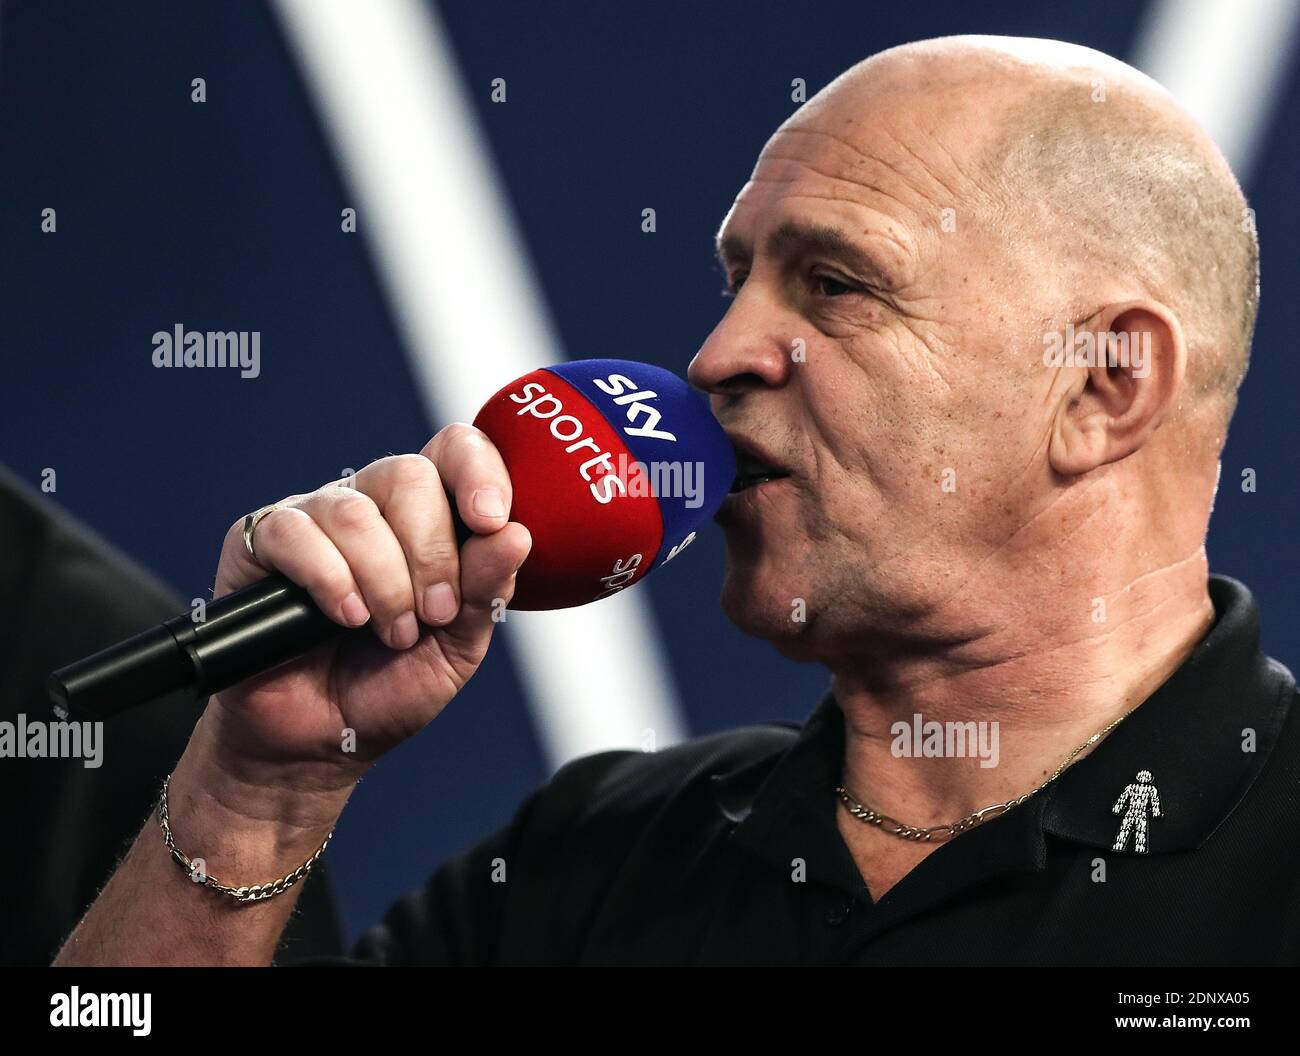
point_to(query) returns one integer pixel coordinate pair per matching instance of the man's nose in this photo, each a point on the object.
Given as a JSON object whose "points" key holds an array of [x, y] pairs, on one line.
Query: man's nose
{"points": [[748, 349]]}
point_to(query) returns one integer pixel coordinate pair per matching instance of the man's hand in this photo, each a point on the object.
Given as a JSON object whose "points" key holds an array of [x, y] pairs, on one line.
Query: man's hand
{"points": [[266, 774], [379, 547]]}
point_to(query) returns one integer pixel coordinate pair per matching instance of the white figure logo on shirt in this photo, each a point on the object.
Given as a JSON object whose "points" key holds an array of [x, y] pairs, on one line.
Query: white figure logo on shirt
{"points": [[1140, 795]]}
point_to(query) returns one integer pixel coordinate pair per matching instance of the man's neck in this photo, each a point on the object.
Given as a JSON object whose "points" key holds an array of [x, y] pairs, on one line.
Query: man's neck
{"points": [[1059, 667]]}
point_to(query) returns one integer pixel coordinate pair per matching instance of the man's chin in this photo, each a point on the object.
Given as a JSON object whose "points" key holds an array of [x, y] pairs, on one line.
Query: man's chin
{"points": [[767, 611]]}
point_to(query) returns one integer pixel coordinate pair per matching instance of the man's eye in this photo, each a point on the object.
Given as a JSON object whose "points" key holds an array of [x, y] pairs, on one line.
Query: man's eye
{"points": [[734, 283], [830, 286]]}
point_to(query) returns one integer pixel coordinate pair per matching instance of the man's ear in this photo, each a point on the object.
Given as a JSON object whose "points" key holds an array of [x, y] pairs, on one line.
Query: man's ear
{"points": [[1119, 406]]}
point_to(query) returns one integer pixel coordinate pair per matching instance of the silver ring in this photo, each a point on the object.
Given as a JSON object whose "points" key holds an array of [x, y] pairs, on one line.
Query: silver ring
{"points": [[250, 526]]}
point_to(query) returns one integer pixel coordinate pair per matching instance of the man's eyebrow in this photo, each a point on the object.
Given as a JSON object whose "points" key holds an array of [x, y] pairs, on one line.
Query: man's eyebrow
{"points": [[794, 237], [731, 249]]}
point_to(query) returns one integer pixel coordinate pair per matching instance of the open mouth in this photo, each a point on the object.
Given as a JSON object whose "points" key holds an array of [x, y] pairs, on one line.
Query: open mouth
{"points": [[752, 471]]}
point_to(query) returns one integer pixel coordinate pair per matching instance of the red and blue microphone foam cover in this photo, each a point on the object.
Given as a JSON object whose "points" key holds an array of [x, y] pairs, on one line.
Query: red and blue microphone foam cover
{"points": [[615, 465]]}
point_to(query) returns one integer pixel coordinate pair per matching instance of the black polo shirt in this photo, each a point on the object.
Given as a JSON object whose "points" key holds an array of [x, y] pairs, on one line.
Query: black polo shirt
{"points": [[692, 855]]}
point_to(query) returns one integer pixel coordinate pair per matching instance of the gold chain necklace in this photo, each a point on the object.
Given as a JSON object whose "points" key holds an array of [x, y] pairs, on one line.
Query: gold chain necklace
{"points": [[943, 832]]}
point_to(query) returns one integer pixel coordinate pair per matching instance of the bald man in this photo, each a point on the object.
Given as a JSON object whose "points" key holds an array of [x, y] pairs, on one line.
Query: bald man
{"points": [[993, 299]]}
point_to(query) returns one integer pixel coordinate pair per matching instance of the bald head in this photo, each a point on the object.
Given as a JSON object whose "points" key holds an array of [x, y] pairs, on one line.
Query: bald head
{"points": [[1093, 166], [913, 249]]}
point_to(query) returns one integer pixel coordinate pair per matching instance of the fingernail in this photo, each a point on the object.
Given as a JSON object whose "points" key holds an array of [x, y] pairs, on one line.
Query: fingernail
{"points": [[405, 632], [487, 502], [354, 610], [440, 603]]}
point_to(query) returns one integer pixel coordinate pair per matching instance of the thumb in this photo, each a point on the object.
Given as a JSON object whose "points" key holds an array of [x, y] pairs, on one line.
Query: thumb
{"points": [[488, 564]]}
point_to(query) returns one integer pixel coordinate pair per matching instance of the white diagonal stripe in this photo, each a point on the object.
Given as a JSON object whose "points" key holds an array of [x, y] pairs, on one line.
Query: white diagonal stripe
{"points": [[1223, 60], [472, 320]]}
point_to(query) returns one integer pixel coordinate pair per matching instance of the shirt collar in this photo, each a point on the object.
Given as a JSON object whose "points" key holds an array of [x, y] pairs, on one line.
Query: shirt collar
{"points": [[1204, 735], [1192, 734], [782, 804]]}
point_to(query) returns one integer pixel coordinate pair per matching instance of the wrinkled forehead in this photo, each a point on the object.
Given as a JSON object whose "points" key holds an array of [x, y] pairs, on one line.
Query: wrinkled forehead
{"points": [[890, 171]]}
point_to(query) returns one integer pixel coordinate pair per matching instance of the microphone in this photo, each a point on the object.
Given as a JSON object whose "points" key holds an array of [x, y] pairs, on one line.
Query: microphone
{"points": [[614, 466]]}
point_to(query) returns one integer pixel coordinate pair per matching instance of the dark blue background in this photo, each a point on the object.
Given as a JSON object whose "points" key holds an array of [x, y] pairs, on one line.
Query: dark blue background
{"points": [[226, 216]]}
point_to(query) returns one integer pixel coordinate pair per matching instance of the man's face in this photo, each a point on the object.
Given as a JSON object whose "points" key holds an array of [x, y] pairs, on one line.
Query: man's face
{"points": [[881, 350]]}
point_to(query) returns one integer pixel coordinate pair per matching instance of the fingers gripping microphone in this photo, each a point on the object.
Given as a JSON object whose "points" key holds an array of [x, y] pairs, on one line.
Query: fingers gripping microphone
{"points": [[614, 466]]}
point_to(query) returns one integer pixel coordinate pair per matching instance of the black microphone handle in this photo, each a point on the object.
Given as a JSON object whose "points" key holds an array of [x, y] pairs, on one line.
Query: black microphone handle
{"points": [[242, 634]]}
